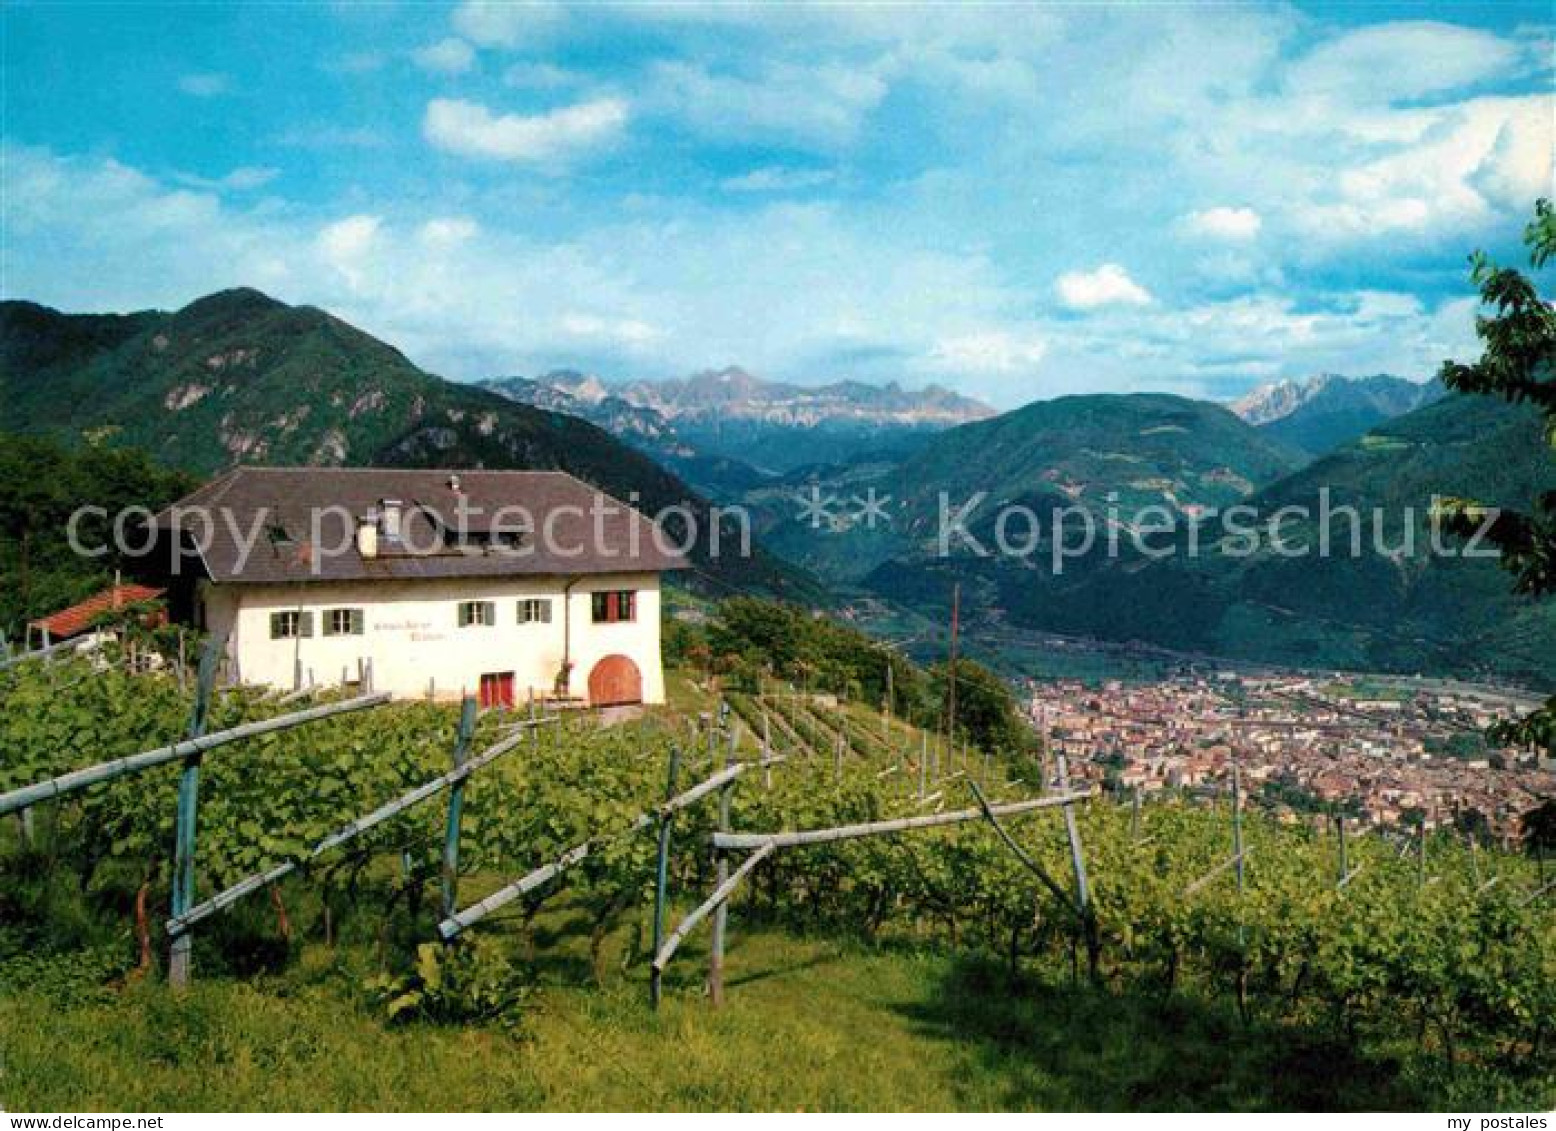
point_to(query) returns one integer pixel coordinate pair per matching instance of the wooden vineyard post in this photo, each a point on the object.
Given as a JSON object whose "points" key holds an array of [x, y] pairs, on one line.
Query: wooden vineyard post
{"points": [[1340, 832], [889, 706], [837, 758], [1421, 854], [1134, 814], [923, 764], [1078, 863], [1237, 827], [662, 876], [767, 752], [1237, 852], [721, 914], [1242, 929], [456, 808], [188, 814]]}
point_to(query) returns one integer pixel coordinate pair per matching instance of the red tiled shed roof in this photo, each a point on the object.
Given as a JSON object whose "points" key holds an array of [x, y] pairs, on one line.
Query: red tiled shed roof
{"points": [[78, 618]]}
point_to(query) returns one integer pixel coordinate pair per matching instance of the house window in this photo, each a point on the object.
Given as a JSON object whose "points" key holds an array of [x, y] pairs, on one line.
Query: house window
{"points": [[535, 610], [289, 624], [477, 613], [616, 605], [343, 622]]}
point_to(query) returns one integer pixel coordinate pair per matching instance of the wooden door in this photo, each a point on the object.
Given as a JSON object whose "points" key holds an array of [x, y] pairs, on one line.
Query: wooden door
{"points": [[613, 681], [496, 689]]}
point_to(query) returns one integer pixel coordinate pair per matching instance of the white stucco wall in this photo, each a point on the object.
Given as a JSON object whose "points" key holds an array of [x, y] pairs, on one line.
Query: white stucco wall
{"points": [[412, 634]]}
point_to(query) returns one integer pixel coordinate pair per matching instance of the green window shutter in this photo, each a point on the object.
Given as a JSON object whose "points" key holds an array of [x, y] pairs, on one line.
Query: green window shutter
{"points": [[305, 624], [357, 618], [277, 625], [489, 612], [545, 611], [464, 614]]}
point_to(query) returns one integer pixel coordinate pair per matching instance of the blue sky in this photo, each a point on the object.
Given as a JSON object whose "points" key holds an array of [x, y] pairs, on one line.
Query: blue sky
{"points": [[1017, 200]]}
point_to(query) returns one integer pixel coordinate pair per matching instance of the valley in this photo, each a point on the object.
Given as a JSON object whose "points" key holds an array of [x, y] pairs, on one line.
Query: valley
{"points": [[848, 488]]}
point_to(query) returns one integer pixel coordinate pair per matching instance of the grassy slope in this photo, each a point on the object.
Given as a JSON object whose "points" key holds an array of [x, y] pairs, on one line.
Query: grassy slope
{"points": [[809, 1024]]}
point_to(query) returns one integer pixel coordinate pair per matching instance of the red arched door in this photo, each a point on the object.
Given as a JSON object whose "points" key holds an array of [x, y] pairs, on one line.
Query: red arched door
{"points": [[613, 681]]}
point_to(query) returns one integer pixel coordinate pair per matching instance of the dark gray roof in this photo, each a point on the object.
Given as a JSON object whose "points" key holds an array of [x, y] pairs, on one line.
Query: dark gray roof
{"points": [[303, 517]]}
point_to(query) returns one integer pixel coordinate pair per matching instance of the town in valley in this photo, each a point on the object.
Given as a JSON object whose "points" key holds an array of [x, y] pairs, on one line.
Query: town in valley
{"points": [[1389, 752]]}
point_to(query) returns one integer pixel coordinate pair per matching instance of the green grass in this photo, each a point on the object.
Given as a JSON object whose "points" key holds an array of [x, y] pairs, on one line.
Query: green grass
{"points": [[809, 1024]]}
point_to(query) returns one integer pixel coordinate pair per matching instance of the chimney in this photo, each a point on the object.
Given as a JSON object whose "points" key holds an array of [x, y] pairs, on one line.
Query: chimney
{"points": [[367, 536], [389, 521]]}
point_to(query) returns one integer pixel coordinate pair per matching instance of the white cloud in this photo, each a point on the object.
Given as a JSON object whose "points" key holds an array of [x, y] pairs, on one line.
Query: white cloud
{"points": [[345, 245], [206, 84], [1108, 285], [333, 137], [1234, 225], [1404, 60], [505, 23], [822, 105], [448, 231], [471, 130], [777, 178], [359, 62], [999, 352], [451, 56], [242, 179], [1476, 160], [540, 76], [629, 332]]}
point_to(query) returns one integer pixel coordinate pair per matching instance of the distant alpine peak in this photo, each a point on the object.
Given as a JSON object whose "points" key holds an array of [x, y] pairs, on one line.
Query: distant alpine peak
{"points": [[734, 393], [1382, 392]]}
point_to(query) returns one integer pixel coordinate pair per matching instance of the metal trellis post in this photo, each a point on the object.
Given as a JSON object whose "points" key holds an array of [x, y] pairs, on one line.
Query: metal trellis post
{"points": [[188, 815], [456, 808]]}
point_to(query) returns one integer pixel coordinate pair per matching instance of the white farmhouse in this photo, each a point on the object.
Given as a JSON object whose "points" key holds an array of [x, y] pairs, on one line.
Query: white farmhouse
{"points": [[504, 584]]}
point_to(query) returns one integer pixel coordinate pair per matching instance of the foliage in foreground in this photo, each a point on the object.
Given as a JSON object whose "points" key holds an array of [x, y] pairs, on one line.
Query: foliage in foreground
{"points": [[1442, 968], [1518, 364]]}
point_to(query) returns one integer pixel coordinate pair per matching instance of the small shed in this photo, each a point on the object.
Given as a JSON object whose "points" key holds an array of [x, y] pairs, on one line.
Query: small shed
{"points": [[79, 618]]}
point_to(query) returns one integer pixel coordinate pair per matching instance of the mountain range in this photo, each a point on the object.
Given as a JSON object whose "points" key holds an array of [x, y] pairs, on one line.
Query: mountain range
{"points": [[868, 475], [730, 414], [1109, 455], [1325, 411], [238, 377]]}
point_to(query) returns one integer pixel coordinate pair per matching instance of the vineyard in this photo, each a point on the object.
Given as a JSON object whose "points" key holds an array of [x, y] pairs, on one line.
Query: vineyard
{"points": [[582, 852]]}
